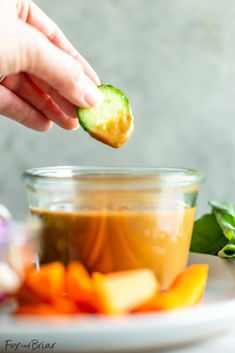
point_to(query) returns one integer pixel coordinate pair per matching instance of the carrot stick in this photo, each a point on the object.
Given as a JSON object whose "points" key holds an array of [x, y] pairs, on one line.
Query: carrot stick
{"points": [[48, 282], [78, 283], [186, 290], [42, 309], [65, 305]]}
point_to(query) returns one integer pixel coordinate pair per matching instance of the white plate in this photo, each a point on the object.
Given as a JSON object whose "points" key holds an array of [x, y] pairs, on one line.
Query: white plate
{"points": [[136, 332]]}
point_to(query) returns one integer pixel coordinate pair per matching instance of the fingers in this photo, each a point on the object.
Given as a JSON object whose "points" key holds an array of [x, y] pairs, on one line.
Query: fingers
{"points": [[64, 104], [20, 111], [57, 68], [38, 19], [23, 87]]}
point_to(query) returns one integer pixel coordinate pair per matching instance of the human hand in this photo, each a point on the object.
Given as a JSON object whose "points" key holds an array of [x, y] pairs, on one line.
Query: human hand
{"points": [[46, 78]]}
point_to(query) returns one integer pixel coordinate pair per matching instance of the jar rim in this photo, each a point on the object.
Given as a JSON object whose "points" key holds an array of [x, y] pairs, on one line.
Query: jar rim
{"points": [[175, 176]]}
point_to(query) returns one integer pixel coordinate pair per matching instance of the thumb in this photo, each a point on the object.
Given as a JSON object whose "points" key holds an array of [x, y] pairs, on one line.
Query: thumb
{"points": [[38, 56]]}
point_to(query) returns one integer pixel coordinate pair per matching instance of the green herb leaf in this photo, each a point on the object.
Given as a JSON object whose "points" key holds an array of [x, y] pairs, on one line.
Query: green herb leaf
{"points": [[228, 251], [225, 216], [222, 207], [207, 238]]}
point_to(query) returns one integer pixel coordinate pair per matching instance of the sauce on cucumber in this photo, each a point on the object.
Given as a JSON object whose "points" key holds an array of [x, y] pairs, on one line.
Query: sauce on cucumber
{"points": [[110, 122], [116, 132]]}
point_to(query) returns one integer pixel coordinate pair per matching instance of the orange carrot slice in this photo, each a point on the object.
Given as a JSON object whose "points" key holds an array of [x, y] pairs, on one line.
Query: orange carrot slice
{"points": [[64, 305], [37, 309], [59, 306], [48, 282], [25, 295], [120, 292], [78, 283], [187, 290]]}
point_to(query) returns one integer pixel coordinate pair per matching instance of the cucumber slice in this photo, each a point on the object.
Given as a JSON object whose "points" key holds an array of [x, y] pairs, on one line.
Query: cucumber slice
{"points": [[110, 122]]}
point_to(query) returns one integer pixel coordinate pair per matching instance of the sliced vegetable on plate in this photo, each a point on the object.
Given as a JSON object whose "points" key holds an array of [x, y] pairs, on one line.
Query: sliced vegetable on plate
{"points": [[78, 283], [187, 290], [55, 290], [47, 283], [121, 292]]}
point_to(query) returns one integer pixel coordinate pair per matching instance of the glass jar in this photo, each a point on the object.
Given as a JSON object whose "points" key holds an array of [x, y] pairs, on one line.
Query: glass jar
{"points": [[114, 219]]}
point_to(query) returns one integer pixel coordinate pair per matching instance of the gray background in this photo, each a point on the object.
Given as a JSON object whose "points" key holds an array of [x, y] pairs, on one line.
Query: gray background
{"points": [[175, 59]]}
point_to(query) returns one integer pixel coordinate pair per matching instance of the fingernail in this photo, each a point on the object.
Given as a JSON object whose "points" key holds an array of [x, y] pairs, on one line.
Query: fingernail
{"points": [[97, 79], [75, 128], [93, 96]]}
